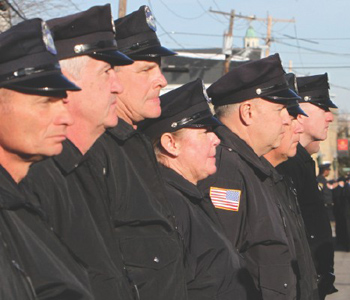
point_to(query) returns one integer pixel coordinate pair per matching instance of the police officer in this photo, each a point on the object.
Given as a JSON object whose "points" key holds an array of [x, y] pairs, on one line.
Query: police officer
{"points": [[341, 210], [88, 51], [185, 146], [324, 170], [251, 102], [315, 101], [33, 125], [302, 261], [121, 179]]}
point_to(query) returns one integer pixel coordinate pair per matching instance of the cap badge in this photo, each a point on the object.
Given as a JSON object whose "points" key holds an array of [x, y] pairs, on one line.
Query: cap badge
{"points": [[113, 25], [307, 98], [47, 38], [205, 94], [174, 124], [151, 22], [258, 91]]}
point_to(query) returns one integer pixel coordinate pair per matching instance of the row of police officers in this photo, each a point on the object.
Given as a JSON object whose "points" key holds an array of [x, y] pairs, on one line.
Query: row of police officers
{"points": [[109, 191]]}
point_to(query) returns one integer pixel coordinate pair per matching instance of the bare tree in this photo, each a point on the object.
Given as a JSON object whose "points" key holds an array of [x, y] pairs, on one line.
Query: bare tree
{"points": [[15, 11]]}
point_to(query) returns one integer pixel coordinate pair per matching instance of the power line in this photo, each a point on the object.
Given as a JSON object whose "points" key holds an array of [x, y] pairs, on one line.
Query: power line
{"points": [[166, 32], [210, 15], [313, 50], [182, 17], [22, 16]]}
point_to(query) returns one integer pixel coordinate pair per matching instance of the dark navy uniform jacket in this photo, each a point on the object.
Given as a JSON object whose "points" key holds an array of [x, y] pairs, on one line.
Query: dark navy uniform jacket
{"points": [[125, 193], [255, 225], [212, 264], [36, 251], [304, 266], [301, 169], [53, 184]]}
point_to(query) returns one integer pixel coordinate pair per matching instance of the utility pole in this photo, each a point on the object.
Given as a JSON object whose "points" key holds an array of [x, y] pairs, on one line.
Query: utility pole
{"points": [[228, 43], [228, 37], [122, 8], [269, 20]]}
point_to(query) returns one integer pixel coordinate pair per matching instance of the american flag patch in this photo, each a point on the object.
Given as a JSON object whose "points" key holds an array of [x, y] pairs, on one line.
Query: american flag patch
{"points": [[225, 198]]}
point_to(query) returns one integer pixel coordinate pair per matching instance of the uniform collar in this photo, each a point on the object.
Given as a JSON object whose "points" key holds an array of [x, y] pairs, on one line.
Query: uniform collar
{"points": [[180, 183], [11, 196], [302, 153], [69, 158], [274, 173], [233, 142], [122, 131]]}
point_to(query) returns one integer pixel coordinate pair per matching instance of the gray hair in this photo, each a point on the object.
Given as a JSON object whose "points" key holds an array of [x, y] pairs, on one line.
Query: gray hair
{"points": [[225, 110], [74, 65]]}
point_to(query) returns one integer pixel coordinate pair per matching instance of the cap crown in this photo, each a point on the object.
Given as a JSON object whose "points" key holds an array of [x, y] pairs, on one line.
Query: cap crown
{"points": [[186, 106], [25, 47], [136, 35], [256, 79], [315, 89], [84, 33]]}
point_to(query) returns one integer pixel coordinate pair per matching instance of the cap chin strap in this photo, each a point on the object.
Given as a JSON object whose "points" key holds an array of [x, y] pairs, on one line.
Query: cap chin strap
{"points": [[185, 121], [29, 71], [98, 46]]}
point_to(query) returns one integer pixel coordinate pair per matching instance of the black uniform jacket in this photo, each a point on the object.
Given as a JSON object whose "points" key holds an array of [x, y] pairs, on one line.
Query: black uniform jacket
{"points": [[213, 265], [37, 252], [53, 184], [126, 196], [325, 190], [304, 266], [341, 197], [301, 169], [255, 223]]}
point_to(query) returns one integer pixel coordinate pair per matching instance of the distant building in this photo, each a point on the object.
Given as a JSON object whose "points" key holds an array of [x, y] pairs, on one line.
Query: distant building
{"points": [[207, 64]]}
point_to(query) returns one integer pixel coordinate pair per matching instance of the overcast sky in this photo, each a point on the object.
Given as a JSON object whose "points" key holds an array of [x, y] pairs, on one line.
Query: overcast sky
{"points": [[318, 41]]}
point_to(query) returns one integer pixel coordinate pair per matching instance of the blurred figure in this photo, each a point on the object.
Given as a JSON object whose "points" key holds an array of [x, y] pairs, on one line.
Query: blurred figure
{"points": [[323, 186], [341, 197]]}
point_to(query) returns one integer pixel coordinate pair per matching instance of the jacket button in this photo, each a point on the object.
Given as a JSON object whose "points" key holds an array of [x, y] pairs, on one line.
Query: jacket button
{"points": [[156, 259], [285, 285], [230, 149], [312, 236]]}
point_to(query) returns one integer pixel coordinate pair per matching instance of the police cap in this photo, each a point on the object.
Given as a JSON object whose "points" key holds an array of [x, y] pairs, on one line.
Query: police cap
{"points": [[28, 61], [263, 78], [325, 166], [184, 107], [293, 106], [136, 35], [314, 89], [90, 32]]}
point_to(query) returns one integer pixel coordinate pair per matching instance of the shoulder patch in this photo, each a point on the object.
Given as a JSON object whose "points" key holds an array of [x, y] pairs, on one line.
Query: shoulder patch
{"points": [[226, 199]]}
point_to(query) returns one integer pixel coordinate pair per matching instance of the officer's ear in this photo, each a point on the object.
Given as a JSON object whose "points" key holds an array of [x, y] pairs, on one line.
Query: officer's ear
{"points": [[246, 112], [170, 144]]}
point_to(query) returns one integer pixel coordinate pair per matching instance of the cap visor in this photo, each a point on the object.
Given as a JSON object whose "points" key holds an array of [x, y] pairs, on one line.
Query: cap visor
{"points": [[208, 121], [113, 57], [55, 82], [155, 51], [281, 96], [330, 104], [295, 110]]}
